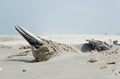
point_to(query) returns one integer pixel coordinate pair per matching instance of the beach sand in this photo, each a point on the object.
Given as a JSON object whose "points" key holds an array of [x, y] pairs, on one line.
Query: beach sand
{"points": [[17, 62]]}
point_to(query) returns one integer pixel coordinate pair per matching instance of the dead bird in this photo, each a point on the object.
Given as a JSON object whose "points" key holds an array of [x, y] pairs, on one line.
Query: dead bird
{"points": [[43, 49]]}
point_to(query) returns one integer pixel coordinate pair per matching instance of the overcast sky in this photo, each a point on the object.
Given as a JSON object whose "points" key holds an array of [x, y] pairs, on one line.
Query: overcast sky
{"points": [[60, 16]]}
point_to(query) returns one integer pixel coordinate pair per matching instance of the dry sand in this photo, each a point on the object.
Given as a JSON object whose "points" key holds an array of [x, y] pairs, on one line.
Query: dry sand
{"points": [[16, 62]]}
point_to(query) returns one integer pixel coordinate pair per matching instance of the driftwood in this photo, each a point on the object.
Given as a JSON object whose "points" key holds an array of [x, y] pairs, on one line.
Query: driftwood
{"points": [[95, 45], [99, 45]]}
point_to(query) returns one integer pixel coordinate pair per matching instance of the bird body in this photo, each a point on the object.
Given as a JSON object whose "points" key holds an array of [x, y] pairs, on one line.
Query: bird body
{"points": [[43, 49]]}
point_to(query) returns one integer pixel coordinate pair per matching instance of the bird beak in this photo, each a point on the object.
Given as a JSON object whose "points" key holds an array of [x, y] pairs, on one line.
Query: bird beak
{"points": [[32, 39]]}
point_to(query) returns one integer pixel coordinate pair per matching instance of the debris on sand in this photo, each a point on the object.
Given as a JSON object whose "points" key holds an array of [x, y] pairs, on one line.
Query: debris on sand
{"points": [[25, 53], [94, 60], [98, 45], [111, 63], [116, 51], [95, 45], [115, 61], [24, 70], [104, 67], [115, 42], [101, 46], [116, 72], [119, 72], [5, 46], [25, 47]]}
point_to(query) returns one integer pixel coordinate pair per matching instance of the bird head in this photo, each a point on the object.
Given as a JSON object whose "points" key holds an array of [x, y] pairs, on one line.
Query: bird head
{"points": [[40, 49]]}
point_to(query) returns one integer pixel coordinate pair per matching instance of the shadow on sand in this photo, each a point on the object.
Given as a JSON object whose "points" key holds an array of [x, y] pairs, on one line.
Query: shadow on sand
{"points": [[21, 60]]}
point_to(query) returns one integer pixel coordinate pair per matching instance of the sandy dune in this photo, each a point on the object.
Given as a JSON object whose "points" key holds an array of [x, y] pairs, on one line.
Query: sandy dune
{"points": [[16, 63]]}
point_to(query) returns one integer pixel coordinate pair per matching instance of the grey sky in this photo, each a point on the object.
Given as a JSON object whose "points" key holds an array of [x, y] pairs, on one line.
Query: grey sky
{"points": [[60, 16]]}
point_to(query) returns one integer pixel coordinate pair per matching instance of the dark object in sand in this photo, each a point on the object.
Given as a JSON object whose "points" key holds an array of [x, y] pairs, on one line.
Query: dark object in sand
{"points": [[112, 63], [25, 47], [43, 49], [95, 45], [24, 70], [94, 60], [115, 42]]}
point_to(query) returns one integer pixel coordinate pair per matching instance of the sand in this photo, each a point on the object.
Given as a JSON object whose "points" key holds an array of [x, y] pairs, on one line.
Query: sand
{"points": [[17, 62]]}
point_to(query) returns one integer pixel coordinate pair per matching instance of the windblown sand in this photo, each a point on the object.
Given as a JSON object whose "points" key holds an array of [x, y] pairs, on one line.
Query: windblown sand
{"points": [[16, 60]]}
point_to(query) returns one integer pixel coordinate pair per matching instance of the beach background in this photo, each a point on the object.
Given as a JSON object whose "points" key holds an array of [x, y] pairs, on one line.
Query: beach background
{"points": [[70, 22]]}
